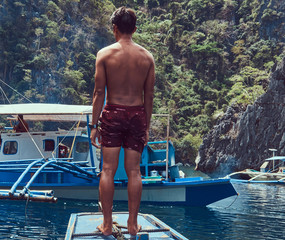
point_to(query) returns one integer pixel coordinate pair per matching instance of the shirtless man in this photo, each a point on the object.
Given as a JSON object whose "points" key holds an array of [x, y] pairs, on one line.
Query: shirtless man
{"points": [[127, 70]]}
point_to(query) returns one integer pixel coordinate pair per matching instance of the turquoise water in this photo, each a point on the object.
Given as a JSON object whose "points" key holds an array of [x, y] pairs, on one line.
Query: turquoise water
{"points": [[257, 213]]}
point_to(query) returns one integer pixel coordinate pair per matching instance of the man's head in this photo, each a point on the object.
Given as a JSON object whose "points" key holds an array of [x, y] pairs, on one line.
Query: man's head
{"points": [[125, 20]]}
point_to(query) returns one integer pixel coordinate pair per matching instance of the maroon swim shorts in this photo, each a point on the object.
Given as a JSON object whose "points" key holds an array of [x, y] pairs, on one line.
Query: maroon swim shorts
{"points": [[123, 126]]}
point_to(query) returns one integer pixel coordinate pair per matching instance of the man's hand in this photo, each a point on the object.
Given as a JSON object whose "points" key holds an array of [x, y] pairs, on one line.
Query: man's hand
{"points": [[95, 134], [146, 137]]}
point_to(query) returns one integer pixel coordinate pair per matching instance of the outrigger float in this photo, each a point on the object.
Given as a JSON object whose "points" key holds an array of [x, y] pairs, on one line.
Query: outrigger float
{"points": [[83, 226], [63, 163], [272, 170]]}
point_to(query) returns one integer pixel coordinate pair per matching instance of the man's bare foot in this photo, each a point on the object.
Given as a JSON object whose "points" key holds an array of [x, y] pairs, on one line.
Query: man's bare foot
{"points": [[134, 229], [105, 230]]}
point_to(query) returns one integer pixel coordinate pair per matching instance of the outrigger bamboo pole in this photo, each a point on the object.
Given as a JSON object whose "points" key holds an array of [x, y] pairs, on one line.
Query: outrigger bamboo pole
{"points": [[31, 197], [13, 189], [25, 189]]}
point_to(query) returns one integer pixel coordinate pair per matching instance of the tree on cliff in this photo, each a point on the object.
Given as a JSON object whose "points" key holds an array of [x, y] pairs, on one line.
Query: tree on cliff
{"points": [[209, 54]]}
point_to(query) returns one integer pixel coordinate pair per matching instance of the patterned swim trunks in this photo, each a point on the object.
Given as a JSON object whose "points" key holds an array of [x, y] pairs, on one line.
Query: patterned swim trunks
{"points": [[123, 126]]}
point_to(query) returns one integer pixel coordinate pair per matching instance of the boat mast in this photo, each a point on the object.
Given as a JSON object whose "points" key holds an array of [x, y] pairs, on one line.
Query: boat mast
{"points": [[90, 144], [273, 155], [167, 141], [167, 147]]}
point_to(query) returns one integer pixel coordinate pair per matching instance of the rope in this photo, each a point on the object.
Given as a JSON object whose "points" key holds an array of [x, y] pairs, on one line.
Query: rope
{"points": [[62, 140], [70, 152], [117, 232], [37, 147], [20, 119], [14, 91], [86, 234], [151, 230], [27, 203], [122, 232], [233, 201], [4, 93], [25, 127]]}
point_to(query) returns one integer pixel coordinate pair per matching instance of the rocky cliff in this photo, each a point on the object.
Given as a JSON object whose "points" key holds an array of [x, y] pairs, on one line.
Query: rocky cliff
{"points": [[242, 137]]}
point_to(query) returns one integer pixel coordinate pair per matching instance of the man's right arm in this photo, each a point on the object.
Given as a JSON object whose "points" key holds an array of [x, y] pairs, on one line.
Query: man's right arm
{"points": [[149, 93], [98, 95]]}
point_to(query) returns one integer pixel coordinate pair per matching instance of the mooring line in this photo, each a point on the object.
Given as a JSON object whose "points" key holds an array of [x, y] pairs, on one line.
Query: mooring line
{"points": [[122, 232]]}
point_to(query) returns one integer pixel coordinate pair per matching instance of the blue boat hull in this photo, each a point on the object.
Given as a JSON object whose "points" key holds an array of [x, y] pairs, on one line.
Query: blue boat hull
{"points": [[188, 191]]}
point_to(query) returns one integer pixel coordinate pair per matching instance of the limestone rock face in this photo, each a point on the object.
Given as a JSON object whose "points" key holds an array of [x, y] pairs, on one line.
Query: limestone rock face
{"points": [[242, 138]]}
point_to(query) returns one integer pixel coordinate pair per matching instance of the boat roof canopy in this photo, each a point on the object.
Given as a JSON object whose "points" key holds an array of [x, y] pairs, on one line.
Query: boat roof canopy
{"points": [[47, 111], [282, 158]]}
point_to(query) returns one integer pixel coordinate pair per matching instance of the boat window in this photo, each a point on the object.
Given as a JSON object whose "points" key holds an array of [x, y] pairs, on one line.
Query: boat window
{"points": [[10, 147], [48, 145], [64, 148], [82, 147]]}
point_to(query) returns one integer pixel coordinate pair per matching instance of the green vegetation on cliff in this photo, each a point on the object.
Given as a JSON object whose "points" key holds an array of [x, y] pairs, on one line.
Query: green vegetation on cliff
{"points": [[209, 54]]}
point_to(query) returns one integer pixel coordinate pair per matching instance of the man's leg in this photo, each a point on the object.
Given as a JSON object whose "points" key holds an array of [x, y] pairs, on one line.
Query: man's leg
{"points": [[106, 186], [132, 167]]}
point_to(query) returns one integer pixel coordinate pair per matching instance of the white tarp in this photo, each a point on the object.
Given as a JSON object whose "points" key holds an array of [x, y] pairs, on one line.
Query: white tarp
{"points": [[47, 112], [282, 158]]}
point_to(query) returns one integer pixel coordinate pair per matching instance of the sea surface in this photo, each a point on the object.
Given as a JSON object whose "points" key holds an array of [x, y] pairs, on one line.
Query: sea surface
{"points": [[257, 213]]}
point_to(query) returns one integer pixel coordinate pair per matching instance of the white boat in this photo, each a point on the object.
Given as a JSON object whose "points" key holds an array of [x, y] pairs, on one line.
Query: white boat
{"points": [[272, 170], [65, 162]]}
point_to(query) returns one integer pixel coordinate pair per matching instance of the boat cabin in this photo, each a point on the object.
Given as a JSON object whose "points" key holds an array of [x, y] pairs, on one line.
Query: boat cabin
{"points": [[274, 164], [52, 144], [264, 167], [72, 145]]}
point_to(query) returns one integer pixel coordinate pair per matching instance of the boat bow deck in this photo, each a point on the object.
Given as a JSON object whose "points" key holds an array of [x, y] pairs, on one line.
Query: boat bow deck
{"points": [[84, 226]]}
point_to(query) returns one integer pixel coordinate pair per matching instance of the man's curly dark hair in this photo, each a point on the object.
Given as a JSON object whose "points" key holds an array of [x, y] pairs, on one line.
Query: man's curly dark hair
{"points": [[125, 19]]}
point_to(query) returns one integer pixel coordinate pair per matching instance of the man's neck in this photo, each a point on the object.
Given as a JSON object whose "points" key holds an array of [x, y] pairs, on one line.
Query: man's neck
{"points": [[123, 38]]}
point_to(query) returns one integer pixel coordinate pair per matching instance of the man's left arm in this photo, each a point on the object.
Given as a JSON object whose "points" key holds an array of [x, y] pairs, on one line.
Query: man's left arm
{"points": [[149, 94]]}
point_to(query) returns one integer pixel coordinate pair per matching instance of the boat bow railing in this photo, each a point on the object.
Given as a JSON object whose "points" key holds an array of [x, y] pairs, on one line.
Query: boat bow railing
{"points": [[264, 173], [258, 175]]}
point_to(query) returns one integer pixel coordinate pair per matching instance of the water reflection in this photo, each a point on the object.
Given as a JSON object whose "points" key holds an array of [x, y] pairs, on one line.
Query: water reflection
{"points": [[38, 220], [257, 213]]}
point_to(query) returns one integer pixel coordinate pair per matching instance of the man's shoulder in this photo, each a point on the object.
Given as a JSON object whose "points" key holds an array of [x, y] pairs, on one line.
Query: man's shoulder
{"points": [[108, 50], [145, 52], [140, 47]]}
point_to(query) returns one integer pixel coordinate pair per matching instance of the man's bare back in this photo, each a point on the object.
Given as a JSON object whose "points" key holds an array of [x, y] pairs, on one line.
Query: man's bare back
{"points": [[126, 65]]}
